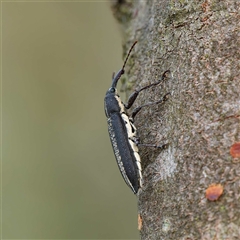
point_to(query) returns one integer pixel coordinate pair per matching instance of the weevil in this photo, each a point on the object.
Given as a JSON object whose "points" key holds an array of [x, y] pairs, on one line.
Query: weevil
{"points": [[122, 131]]}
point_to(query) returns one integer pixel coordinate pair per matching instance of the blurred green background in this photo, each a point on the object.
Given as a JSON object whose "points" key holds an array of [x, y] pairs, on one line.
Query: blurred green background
{"points": [[59, 175]]}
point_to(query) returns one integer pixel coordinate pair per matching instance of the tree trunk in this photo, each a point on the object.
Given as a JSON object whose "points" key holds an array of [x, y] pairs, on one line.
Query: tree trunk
{"points": [[199, 42]]}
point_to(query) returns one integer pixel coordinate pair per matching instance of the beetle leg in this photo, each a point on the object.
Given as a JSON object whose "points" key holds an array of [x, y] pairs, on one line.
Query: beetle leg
{"points": [[137, 109], [137, 142], [164, 146], [134, 95]]}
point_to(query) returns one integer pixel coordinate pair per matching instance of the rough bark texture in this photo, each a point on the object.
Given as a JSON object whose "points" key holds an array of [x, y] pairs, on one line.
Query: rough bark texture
{"points": [[199, 41]]}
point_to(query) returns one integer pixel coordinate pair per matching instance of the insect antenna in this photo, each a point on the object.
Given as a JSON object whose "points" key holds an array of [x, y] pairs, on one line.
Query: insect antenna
{"points": [[121, 72], [128, 55]]}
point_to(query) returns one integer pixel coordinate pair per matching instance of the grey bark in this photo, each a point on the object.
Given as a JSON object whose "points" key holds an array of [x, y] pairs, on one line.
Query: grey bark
{"points": [[199, 42]]}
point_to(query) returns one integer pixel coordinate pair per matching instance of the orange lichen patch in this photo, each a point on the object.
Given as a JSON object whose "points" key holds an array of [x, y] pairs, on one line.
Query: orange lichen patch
{"points": [[235, 150], [139, 222], [205, 6], [214, 191]]}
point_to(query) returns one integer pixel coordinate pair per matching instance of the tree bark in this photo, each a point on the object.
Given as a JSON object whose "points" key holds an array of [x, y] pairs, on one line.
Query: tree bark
{"points": [[199, 42]]}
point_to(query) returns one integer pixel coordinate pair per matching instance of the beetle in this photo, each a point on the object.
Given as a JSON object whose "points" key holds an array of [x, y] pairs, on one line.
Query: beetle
{"points": [[122, 131]]}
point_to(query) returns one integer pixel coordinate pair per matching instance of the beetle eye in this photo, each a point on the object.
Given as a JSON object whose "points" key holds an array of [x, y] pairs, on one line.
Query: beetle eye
{"points": [[112, 90]]}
